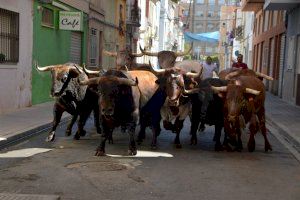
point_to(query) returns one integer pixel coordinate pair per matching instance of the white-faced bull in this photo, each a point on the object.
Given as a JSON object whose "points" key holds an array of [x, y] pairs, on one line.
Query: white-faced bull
{"points": [[244, 96], [177, 104], [71, 97]]}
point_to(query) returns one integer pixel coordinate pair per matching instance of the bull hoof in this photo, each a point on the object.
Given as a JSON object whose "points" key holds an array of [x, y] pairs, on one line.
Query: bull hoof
{"points": [[153, 147], [132, 152], [193, 141], [50, 137], [110, 140], [99, 131], [268, 147], [251, 146], [178, 146], [100, 152], [218, 147], [82, 133], [139, 141], [68, 132], [227, 148], [76, 136]]}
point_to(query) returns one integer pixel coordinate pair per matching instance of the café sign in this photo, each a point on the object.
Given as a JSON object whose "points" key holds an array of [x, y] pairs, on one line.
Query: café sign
{"points": [[70, 20]]}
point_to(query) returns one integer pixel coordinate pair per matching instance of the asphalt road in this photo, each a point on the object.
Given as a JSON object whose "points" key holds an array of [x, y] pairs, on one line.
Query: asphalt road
{"points": [[68, 168]]}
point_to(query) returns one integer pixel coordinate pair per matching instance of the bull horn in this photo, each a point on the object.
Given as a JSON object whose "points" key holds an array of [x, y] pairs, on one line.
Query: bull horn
{"points": [[191, 91], [194, 75], [78, 69], [108, 53], [43, 69], [148, 53], [91, 81], [184, 53], [264, 76], [90, 72], [219, 89], [156, 71], [231, 75], [251, 91], [136, 54]]}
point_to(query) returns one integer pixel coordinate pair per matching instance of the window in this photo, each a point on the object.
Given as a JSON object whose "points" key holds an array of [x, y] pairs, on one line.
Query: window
{"points": [[199, 13], [210, 14], [221, 2], [185, 13], [211, 2], [93, 46], [47, 17], [9, 36], [199, 26], [209, 49], [200, 2], [210, 26]]}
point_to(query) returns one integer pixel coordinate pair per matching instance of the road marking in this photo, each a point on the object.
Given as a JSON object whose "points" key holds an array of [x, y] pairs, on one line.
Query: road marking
{"points": [[144, 154], [23, 153]]}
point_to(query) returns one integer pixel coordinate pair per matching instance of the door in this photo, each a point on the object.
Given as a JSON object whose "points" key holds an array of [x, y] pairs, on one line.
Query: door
{"points": [[297, 85], [75, 47]]}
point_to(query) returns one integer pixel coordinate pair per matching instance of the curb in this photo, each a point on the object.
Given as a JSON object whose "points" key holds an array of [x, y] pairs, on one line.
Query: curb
{"points": [[23, 135], [284, 137]]}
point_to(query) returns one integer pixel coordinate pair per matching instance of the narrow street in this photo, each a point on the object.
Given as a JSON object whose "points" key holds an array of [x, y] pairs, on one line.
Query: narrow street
{"points": [[69, 169]]}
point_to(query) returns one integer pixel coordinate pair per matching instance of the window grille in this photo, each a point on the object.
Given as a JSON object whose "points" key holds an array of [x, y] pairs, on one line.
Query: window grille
{"points": [[93, 46], [9, 36], [47, 17]]}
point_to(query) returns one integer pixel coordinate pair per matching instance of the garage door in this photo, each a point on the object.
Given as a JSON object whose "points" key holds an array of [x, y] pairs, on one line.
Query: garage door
{"points": [[75, 50]]}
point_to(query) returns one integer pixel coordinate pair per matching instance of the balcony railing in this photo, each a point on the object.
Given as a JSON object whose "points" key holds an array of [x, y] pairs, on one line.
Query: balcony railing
{"points": [[252, 5], [133, 15]]}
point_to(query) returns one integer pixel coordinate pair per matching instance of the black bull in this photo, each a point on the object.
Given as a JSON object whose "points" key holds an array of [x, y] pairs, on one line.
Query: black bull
{"points": [[207, 108]]}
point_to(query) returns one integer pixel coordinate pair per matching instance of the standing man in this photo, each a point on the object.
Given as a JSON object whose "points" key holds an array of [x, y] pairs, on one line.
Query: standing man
{"points": [[209, 68], [239, 64]]}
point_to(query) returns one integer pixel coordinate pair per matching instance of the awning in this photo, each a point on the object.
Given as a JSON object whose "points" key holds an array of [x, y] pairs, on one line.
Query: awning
{"points": [[212, 37]]}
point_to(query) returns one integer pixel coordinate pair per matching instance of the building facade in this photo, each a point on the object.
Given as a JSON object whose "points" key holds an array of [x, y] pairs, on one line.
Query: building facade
{"points": [[268, 42], [290, 71], [53, 43], [206, 18], [16, 35]]}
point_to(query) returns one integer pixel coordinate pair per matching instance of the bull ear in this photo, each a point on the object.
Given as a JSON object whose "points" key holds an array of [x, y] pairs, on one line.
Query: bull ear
{"points": [[73, 73]]}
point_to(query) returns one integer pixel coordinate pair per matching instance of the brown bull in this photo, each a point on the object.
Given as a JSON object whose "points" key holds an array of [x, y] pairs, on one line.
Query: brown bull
{"points": [[244, 96], [231, 73], [166, 59], [120, 101]]}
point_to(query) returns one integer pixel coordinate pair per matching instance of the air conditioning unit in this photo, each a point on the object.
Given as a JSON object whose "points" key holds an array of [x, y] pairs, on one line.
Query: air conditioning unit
{"points": [[45, 1]]}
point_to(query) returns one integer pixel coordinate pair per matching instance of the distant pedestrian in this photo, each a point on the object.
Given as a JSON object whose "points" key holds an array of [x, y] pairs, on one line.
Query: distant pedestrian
{"points": [[209, 68], [239, 63]]}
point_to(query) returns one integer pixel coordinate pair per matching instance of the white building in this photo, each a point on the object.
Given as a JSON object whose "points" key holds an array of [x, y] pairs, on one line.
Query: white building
{"points": [[16, 22]]}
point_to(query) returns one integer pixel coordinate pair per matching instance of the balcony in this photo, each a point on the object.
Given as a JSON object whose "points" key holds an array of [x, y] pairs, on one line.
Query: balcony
{"points": [[252, 5], [280, 4], [133, 15]]}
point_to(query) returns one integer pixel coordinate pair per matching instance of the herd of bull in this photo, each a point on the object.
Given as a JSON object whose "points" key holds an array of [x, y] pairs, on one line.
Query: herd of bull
{"points": [[133, 93]]}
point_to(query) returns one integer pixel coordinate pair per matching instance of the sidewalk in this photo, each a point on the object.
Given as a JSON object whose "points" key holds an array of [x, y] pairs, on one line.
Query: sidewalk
{"points": [[285, 118], [26, 122]]}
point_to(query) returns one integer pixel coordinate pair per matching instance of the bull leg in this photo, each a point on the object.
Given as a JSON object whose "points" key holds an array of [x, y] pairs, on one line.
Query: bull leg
{"points": [[239, 146], [252, 127], [155, 130], [194, 126], [84, 115], [262, 123], [57, 113], [70, 125], [142, 132], [132, 151], [100, 151], [178, 127], [218, 131], [168, 125], [97, 119]]}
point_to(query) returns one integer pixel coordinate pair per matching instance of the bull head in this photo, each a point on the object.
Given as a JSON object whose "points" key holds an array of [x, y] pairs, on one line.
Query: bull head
{"points": [[63, 79], [177, 54]]}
